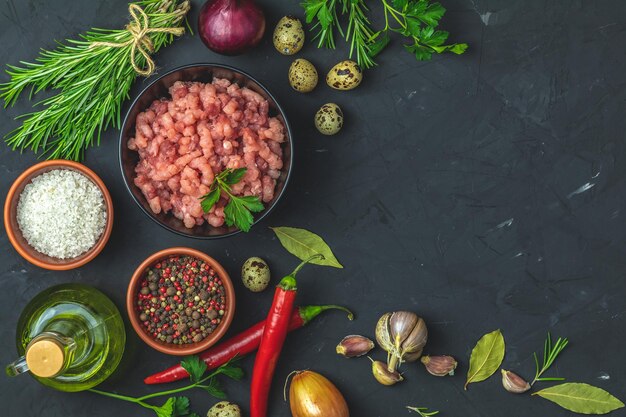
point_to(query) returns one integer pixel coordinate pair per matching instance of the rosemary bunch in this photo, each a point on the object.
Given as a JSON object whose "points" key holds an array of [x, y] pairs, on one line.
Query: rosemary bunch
{"points": [[93, 76]]}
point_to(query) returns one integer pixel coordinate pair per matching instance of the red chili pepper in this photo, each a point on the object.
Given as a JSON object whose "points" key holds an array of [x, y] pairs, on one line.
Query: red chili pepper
{"points": [[274, 334], [242, 344]]}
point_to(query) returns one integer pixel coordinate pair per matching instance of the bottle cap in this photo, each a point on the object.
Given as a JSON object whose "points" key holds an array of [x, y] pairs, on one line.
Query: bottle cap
{"points": [[45, 357]]}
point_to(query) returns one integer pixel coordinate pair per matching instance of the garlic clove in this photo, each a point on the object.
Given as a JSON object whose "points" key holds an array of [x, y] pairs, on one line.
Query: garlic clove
{"points": [[514, 383], [383, 333], [401, 323], [383, 375], [439, 365], [412, 357], [416, 340], [354, 345]]}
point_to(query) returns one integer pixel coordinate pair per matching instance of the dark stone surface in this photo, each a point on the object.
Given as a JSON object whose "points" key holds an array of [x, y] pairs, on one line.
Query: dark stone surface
{"points": [[482, 191]]}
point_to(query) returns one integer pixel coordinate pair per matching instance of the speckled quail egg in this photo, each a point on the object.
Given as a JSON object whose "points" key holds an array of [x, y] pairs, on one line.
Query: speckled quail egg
{"points": [[288, 35], [329, 119], [346, 75], [255, 274], [302, 75], [224, 409]]}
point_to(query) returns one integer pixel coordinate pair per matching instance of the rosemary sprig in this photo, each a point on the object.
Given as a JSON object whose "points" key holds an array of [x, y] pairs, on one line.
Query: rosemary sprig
{"points": [[422, 411], [92, 83], [550, 353]]}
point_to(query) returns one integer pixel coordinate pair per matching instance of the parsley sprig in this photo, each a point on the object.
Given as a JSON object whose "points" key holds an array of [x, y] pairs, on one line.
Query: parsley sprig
{"points": [[178, 406], [416, 20], [238, 211]]}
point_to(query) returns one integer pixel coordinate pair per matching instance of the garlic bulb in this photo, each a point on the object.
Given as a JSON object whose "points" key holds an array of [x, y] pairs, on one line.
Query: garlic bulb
{"points": [[403, 334]]}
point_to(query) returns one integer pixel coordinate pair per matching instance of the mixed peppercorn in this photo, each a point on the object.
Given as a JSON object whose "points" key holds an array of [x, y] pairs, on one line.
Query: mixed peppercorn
{"points": [[181, 300]]}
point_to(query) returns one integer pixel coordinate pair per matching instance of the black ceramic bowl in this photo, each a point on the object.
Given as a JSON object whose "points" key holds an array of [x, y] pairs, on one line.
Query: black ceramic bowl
{"points": [[159, 89]]}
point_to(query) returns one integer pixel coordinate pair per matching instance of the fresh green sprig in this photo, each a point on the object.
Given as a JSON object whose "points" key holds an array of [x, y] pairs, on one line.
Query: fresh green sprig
{"points": [[416, 20], [238, 211], [550, 353], [422, 411], [92, 84], [178, 406]]}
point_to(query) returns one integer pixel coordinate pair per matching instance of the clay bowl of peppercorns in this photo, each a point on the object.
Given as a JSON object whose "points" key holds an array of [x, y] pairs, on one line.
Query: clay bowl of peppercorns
{"points": [[180, 301]]}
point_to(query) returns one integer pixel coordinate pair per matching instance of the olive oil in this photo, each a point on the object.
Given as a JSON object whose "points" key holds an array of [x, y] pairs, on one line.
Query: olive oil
{"points": [[72, 338]]}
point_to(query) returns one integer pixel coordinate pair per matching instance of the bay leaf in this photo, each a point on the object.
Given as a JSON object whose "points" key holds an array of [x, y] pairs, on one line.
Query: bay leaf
{"points": [[581, 398], [304, 244], [486, 357]]}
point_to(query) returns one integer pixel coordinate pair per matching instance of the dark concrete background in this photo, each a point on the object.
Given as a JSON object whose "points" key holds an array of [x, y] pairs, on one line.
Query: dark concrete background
{"points": [[482, 191]]}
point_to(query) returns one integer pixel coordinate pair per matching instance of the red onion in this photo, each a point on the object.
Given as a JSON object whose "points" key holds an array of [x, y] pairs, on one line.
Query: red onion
{"points": [[230, 27]]}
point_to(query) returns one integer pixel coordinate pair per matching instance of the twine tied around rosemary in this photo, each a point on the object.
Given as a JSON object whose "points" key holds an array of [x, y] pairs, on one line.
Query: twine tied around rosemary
{"points": [[140, 41]]}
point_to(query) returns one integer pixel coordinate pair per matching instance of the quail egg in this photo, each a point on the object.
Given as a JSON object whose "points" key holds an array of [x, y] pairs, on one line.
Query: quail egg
{"points": [[255, 274], [346, 75], [288, 35], [329, 119], [224, 409], [302, 75]]}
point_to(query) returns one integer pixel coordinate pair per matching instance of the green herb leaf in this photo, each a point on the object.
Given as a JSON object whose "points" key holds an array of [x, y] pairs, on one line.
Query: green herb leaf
{"points": [[181, 406], [167, 409], [194, 366], [429, 14], [233, 372], [239, 211], [311, 8], [581, 398], [421, 52], [325, 16], [193, 415], [233, 176], [214, 388], [422, 411], [304, 244], [209, 200], [379, 44], [550, 353], [486, 357], [400, 5]]}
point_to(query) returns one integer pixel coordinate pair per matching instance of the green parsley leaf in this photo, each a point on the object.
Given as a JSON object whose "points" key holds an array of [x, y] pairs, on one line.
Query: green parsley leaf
{"points": [[210, 199], [325, 16], [433, 13], [239, 208], [214, 388], [233, 372], [413, 27], [252, 203], [436, 38], [194, 366], [311, 8], [233, 176], [235, 214], [167, 409], [193, 415], [400, 5], [181, 407], [238, 211], [421, 52]]}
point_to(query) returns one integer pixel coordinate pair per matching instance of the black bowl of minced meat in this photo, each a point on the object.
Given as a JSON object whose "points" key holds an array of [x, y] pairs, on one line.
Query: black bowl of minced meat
{"points": [[189, 125]]}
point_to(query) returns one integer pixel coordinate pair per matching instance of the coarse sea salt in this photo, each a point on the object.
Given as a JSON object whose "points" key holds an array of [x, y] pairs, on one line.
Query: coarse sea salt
{"points": [[61, 213]]}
